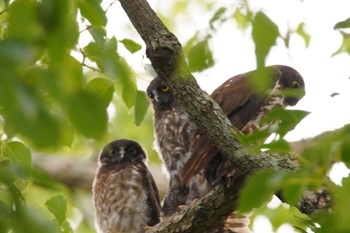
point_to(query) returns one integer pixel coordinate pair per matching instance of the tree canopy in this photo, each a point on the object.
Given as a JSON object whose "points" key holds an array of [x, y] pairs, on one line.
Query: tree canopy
{"points": [[69, 84]]}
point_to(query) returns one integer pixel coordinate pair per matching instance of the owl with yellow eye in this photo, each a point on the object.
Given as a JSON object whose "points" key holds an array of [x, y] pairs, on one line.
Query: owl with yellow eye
{"points": [[174, 132]]}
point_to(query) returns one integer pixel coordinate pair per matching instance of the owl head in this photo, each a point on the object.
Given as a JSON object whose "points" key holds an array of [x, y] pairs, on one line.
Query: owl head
{"points": [[120, 151], [292, 85], [159, 93]]}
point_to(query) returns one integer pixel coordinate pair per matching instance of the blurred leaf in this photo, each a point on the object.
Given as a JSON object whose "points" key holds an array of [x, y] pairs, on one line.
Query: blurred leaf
{"points": [[334, 94], [88, 114], [131, 45], [217, 16], [287, 119], [31, 220], [92, 11], [200, 56], [259, 189], [129, 93], [303, 34], [345, 46], [279, 145], [342, 24], [141, 106], [99, 34], [4, 217], [264, 33], [103, 88], [242, 19], [58, 207], [20, 159]]}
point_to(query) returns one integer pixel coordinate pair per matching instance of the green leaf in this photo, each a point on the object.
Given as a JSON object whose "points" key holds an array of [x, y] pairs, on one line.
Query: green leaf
{"points": [[200, 56], [217, 16], [131, 45], [20, 159], [287, 119], [92, 11], [129, 93], [242, 19], [4, 217], [99, 34], [102, 88], [301, 32], [334, 94], [342, 24], [263, 183], [264, 33], [58, 207], [141, 106], [88, 114], [345, 46], [279, 145]]}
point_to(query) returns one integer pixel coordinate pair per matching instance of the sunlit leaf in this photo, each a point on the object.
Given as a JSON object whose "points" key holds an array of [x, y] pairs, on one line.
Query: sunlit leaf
{"points": [[345, 46], [103, 88], [217, 16], [20, 159], [58, 207], [279, 145], [99, 34], [301, 31], [131, 45], [264, 33], [92, 11], [342, 24], [263, 183], [129, 93], [200, 57], [243, 19], [88, 114], [141, 106]]}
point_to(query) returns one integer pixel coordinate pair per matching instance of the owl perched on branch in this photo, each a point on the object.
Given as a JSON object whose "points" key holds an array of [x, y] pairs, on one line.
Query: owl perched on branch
{"points": [[174, 132], [246, 99], [125, 196]]}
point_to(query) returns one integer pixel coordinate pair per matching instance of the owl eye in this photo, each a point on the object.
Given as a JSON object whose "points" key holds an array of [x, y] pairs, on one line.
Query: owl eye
{"points": [[164, 88], [131, 150], [296, 84], [113, 151]]}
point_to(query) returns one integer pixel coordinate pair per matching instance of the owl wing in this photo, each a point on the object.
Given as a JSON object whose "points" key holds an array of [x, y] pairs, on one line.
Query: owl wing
{"points": [[240, 103], [153, 200]]}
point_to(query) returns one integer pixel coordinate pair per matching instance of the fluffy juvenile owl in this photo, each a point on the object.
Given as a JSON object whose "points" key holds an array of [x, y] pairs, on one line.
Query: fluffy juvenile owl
{"points": [[125, 196], [245, 106], [174, 131]]}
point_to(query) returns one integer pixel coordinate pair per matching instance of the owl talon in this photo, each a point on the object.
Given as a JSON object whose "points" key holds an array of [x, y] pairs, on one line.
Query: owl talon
{"points": [[146, 228]]}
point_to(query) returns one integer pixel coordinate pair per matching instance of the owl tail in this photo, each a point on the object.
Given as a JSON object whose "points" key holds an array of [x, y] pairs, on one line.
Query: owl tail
{"points": [[203, 151]]}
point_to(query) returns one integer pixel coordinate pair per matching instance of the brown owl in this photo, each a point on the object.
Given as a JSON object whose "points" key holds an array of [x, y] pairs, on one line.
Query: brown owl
{"points": [[125, 195], [174, 132], [245, 104]]}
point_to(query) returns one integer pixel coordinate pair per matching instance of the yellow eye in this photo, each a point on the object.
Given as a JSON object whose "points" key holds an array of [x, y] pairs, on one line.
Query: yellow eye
{"points": [[165, 88], [296, 84]]}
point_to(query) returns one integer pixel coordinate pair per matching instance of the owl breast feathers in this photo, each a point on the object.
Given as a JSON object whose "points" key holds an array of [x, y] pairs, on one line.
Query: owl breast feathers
{"points": [[125, 196]]}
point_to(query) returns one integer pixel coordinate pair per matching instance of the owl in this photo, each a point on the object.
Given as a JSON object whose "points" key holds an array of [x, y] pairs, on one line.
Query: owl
{"points": [[245, 103], [174, 131], [125, 196]]}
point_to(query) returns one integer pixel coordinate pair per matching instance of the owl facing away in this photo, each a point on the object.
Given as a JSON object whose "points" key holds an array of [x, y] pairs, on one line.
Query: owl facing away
{"points": [[174, 132], [125, 195]]}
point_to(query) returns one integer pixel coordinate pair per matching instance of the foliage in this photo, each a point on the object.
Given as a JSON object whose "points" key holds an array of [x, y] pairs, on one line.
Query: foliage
{"points": [[59, 96]]}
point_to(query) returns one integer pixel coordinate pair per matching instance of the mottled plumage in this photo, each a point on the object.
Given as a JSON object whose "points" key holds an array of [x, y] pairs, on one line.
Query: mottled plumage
{"points": [[125, 195], [174, 132], [244, 105]]}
